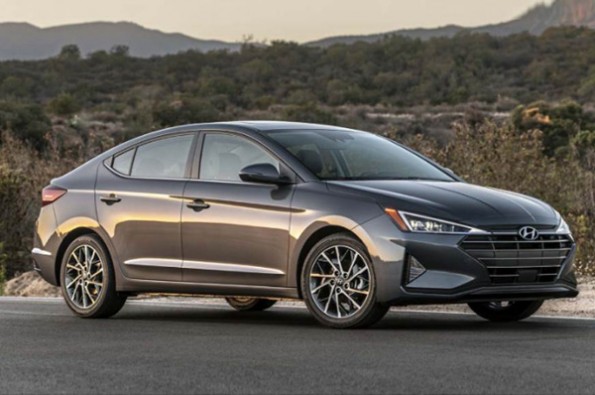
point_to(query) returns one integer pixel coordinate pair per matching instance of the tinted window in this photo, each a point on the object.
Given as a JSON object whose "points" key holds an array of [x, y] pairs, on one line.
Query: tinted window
{"points": [[352, 155], [223, 156], [165, 158], [123, 161]]}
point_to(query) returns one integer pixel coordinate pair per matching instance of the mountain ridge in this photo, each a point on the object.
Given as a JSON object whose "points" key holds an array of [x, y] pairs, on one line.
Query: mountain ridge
{"points": [[24, 41], [534, 21]]}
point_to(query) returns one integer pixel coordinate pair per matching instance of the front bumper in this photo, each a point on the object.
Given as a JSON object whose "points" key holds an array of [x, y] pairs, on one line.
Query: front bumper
{"points": [[452, 275]]}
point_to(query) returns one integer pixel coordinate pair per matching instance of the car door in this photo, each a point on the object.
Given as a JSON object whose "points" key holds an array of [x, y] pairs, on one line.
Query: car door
{"points": [[235, 232], [139, 202]]}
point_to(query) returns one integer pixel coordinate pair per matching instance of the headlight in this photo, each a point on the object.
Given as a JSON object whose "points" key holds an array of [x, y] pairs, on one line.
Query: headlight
{"points": [[563, 228], [409, 222]]}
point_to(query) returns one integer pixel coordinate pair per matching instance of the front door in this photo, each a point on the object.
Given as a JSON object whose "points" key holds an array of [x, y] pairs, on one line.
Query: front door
{"points": [[139, 203], [234, 232]]}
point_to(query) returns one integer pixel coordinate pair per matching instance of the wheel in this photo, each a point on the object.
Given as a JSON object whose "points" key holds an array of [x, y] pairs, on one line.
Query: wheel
{"points": [[241, 303], [88, 281], [506, 311], [339, 284]]}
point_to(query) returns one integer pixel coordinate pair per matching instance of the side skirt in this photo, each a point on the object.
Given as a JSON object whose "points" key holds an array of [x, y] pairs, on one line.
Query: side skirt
{"points": [[142, 286]]}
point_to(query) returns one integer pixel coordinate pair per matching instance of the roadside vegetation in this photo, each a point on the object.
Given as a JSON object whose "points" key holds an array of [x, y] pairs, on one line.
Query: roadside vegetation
{"points": [[509, 112]]}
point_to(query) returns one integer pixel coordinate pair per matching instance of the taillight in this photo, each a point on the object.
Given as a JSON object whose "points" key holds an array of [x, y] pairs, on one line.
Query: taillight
{"points": [[50, 194]]}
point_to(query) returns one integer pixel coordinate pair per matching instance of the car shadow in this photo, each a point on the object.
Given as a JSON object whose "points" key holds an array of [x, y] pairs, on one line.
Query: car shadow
{"points": [[282, 317]]}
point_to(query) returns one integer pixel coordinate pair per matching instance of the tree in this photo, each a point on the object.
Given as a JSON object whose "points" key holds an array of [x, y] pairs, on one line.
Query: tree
{"points": [[120, 50], [70, 52]]}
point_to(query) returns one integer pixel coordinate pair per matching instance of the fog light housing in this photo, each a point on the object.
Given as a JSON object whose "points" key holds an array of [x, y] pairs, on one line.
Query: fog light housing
{"points": [[414, 269]]}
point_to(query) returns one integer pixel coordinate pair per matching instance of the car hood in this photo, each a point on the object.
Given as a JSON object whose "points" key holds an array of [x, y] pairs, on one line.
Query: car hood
{"points": [[481, 207]]}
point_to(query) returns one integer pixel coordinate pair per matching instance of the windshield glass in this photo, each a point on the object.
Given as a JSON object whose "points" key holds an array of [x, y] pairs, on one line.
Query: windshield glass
{"points": [[352, 155]]}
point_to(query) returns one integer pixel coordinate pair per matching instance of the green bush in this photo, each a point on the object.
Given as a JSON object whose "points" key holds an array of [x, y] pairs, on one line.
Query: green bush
{"points": [[64, 105], [28, 122]]}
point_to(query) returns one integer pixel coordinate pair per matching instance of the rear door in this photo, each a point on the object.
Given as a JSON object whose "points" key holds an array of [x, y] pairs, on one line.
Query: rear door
{"points": [[139, 202], [235, 232]]}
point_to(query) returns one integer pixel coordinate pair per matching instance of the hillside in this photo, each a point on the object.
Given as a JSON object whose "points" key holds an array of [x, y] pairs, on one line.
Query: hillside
{"points": [[580, 13], [24, 41]]}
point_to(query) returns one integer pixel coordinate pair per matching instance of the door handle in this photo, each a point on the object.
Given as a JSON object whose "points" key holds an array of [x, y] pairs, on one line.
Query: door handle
{"points": [[110, 200], [198, 205]]}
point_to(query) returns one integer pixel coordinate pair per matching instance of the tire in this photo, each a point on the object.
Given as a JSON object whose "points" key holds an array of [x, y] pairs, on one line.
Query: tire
{"points": [[513, 311], [94, 293], [249, 304], [333, 293]]}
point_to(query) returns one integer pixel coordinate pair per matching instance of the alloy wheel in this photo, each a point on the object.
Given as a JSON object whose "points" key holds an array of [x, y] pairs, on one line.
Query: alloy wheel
{"points": [[340, 281], [84, 276]]}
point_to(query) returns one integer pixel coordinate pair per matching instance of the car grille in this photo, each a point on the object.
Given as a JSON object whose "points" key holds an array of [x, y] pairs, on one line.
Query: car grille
{"points": [[510, 259]]}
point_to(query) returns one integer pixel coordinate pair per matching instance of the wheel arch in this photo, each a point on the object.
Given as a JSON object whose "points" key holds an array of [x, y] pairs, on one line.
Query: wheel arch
{"points": [[71, 236], [310, 241]]}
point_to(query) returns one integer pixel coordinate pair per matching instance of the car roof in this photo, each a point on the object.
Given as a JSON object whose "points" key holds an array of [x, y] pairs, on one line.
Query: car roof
{"points": [[268, 126]]}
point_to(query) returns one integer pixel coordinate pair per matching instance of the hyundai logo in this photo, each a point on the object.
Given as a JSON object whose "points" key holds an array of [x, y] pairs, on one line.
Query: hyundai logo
{"points": [[529, 233]]}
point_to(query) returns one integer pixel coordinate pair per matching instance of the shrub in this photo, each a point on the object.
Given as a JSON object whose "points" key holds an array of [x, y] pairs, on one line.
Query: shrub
{"points": [[64, 105], [23, 174]]}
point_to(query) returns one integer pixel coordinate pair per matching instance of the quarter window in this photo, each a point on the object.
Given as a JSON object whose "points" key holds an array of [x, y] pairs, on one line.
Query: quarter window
{"points": [[123, 162], [224, 156], [164, 158]]}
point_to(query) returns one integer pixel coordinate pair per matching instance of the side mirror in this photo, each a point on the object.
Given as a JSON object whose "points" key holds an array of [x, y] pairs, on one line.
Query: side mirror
{"points": [[264, 173]]}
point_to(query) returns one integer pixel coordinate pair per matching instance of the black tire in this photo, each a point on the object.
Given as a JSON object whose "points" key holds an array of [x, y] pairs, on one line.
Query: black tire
{"points": [[513, 311], [108, 301], [370, 311], [249, 304]]}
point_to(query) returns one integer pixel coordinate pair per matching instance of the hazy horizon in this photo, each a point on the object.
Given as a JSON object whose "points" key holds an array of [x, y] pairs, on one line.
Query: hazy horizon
{"points": [[301, 21]]}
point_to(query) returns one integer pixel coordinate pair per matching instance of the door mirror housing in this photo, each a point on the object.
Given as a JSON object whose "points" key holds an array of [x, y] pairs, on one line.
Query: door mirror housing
{"points": [[263, 173]]}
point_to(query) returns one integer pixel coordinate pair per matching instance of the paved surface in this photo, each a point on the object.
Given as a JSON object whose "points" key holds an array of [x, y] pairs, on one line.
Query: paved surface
{"points": [[178, 348]]}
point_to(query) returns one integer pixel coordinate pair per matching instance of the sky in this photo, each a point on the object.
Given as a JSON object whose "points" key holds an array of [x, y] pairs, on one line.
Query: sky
{"points": [[295, 20]]}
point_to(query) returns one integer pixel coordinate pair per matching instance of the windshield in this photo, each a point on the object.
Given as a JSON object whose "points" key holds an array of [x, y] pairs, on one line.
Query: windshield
{"points": [[352, 155]]}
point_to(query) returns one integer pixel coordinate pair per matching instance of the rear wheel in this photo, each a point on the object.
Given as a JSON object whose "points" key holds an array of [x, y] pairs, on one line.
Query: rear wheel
{"points": [[339, 284], [241, 303], [88, 281], [506, 311]]}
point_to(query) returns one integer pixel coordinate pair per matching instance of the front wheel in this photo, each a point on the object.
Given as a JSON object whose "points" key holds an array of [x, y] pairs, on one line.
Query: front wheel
{"points": [[88, 281], [241, 303], [339, 284], [506, 311]]}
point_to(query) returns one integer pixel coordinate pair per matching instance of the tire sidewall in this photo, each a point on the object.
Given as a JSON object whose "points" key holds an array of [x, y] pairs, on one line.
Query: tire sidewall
{"points": [[109, 282], [363, 314], [516, 312]]}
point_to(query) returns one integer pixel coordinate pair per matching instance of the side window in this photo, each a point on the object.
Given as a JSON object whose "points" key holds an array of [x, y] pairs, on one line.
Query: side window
{"points": [[123, 162], [224, 156], [165, 158]]}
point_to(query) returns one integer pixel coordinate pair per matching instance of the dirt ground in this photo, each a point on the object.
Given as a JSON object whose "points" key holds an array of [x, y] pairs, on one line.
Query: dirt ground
{"points": [[31, 285]]}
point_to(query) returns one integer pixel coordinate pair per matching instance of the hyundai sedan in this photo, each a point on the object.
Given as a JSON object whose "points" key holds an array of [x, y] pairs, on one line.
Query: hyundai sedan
{"points": [[348, 221]]}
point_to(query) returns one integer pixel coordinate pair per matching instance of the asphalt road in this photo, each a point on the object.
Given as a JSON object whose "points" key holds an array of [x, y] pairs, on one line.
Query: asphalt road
{"points": [[178, 348]]}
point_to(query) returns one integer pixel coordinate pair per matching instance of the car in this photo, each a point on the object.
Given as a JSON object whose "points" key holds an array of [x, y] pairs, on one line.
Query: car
{"points": [[256, 211]]}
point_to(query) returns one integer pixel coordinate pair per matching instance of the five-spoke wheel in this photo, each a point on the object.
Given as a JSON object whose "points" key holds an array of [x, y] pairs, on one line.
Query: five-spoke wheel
{"points": [[339, 285]]}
